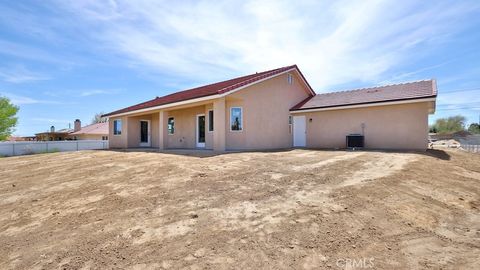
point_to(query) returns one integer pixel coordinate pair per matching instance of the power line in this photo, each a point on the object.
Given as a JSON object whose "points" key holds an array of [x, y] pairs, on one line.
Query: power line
{"points": [[458, 90], [459, 108], [463, 103]]}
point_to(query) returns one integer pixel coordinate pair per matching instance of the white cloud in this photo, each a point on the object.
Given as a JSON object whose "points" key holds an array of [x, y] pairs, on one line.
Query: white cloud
{"points": [[333, 43], [20, 74], [24, 100], [92, 92], [81, 92]]}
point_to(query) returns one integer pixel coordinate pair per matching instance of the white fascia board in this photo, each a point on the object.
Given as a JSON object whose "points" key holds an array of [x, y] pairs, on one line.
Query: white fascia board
{"points": [[365, 105]]}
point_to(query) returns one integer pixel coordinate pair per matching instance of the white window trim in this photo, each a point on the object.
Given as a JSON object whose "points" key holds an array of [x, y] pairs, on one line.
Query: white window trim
{"points": [[290, 123], [208, 127], [121, 129], [168, 131], [230, 119]]}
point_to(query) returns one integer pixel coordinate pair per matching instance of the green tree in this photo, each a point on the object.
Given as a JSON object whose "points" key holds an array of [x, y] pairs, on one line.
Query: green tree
{"points": [[8, 119], [451, 124], [98, 118], [474, 128]]}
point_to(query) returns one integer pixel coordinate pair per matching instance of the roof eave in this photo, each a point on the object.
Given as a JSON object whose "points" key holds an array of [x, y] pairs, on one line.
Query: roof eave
{"points": [[367, 104]]}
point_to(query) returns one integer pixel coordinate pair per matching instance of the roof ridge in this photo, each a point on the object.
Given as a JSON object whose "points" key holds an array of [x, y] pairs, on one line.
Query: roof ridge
{"points": [[236, 78], [94, 124], [263, 73], [217, 88], [374, 87]]}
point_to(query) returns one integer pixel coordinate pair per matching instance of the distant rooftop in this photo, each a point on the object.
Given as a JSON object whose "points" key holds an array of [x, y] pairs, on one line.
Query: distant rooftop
{"points": [[97, 128], [64, 130]]}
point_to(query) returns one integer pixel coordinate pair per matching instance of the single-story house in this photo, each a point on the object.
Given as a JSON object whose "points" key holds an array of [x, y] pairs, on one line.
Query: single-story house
{"points": [[53, 135], [277, 109], [96, 131]]}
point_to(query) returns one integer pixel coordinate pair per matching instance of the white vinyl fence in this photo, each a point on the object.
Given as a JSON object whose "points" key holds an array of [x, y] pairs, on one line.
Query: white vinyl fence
{"points": [[27, 148], [472, 148], [470, 143]]}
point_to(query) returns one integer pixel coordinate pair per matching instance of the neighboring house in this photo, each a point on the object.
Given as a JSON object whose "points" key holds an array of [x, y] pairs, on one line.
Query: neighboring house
{"points": [[53, 135], [97, 131], [276, 109], [21, 138]]}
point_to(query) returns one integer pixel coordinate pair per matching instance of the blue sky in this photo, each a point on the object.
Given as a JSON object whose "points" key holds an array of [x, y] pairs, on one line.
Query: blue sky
{"points": [[62, 60]]}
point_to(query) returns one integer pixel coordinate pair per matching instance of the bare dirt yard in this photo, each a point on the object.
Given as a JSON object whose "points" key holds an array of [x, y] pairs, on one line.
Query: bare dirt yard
{"points": [[300, 209]]}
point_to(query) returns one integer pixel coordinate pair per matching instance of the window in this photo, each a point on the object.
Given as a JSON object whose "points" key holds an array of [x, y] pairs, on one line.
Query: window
{"points": [[117, 127], [210, 121], [290, 78], [290, 122], [104, 138], [236, 116], [171, 125]]}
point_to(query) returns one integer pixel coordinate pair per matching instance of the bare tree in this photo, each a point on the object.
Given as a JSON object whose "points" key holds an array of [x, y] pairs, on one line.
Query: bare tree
{"points": [[98, 118]]}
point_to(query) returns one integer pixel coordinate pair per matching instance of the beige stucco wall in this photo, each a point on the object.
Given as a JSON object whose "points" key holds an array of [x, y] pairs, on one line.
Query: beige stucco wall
{"points": [[265, 119], [117, 141], [185, 128], [89, 136], [154, 129], [402, 126], [266, 108], [134, 129], [208, 134]]}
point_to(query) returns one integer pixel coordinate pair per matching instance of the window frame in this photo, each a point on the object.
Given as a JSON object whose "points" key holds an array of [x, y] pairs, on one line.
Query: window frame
{"points": [[289, 78], [168, 126], [115, 132], [241, 119], [290, 123], [211, 122]]}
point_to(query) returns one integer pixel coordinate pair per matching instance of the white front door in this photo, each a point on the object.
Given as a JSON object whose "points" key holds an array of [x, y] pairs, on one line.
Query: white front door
{"points": [[145, 133], [200, 131], [299, 131]]}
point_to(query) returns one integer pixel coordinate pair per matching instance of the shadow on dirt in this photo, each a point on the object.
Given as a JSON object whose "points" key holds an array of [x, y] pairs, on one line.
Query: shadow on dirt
{"points": [[440, 154], [203, 153]]}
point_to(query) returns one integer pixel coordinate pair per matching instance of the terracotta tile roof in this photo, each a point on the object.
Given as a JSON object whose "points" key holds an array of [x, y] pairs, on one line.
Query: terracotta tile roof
{"points": [[207, 90], [395, 92], [98, 128]]}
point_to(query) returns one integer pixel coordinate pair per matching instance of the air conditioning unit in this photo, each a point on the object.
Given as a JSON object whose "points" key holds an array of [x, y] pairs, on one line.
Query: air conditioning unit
{"points": [[355, 141]]}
